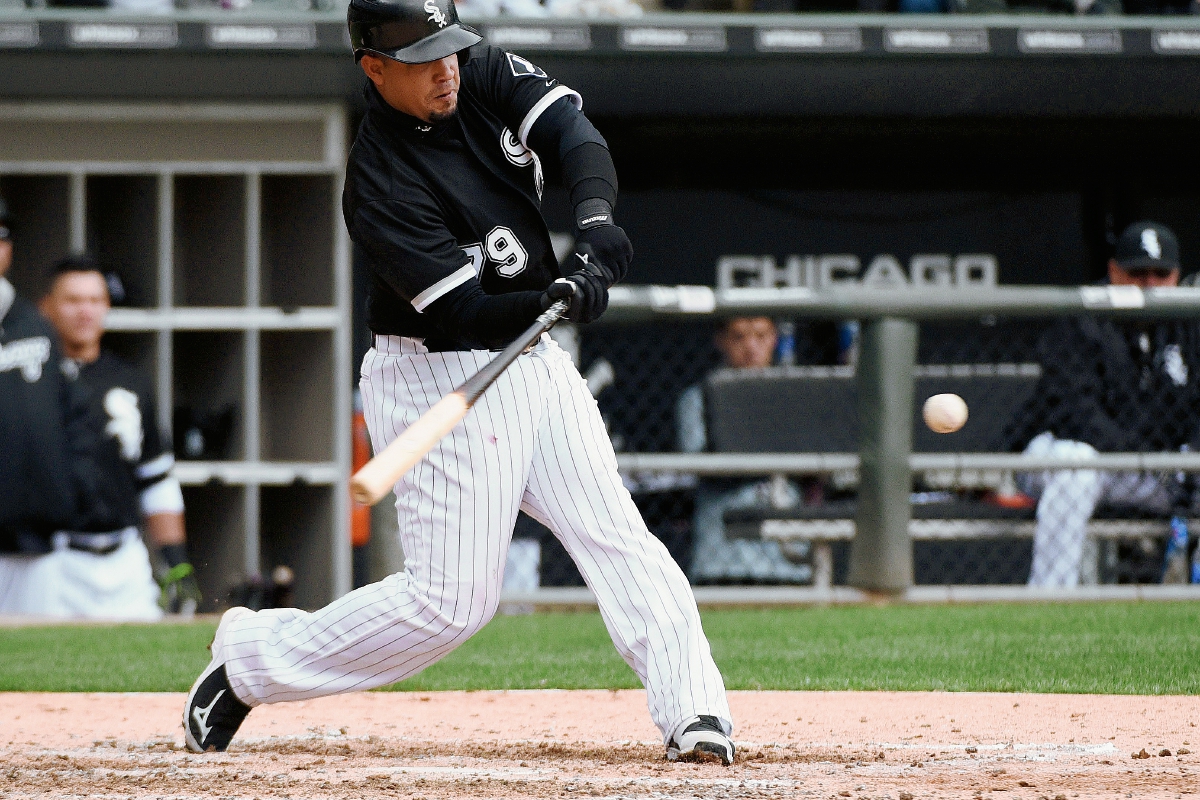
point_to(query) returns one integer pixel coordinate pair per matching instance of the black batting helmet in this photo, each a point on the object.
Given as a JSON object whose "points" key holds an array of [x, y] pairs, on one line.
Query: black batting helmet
{"points": [[410, 31]]}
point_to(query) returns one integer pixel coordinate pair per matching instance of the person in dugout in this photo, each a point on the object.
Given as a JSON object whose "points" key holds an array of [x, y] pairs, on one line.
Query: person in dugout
{"points": [[97, 565]]}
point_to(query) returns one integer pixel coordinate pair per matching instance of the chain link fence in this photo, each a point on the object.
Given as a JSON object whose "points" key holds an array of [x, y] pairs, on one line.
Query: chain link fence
{"points": [[1070, 387]]}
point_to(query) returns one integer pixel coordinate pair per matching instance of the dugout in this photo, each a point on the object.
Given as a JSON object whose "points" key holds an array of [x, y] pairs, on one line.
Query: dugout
{"points": [[1031, 139]]}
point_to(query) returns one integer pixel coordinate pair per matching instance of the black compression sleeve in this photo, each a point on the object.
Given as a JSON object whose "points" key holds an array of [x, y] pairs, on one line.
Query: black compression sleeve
{"points": [[587, 167], [560, 129], [481, 320], [588, 172]]}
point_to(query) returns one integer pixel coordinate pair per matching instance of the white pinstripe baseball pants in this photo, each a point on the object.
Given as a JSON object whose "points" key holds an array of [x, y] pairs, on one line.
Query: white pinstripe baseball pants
{"points": [[535, 441]]}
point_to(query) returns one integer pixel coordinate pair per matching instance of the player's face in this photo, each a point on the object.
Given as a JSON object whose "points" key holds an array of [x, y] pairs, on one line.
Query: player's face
{"points": [[5, 254], [76, 306], [1145, 278], [427, 91], [748, 342]]}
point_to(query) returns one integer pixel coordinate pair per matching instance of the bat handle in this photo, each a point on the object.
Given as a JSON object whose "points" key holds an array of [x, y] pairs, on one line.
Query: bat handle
{"points": [[552, 314], [478, 383]]}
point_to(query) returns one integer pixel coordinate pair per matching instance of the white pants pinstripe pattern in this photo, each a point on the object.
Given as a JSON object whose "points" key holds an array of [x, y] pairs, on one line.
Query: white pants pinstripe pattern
{"points": [[534, 441]]}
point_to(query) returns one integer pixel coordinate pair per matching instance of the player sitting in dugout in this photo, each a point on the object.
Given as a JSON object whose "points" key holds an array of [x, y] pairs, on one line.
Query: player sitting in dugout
{"points": [[99, 566], [745, 343], [1109, 386]]}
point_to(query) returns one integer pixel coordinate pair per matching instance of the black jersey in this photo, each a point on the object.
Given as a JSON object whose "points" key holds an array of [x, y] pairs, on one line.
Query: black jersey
{"points": [[37, 493], [433, 206], [126, 448], [1117, 385]]}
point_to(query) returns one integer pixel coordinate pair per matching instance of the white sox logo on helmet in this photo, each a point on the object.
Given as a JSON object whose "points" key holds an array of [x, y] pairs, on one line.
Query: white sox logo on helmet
{"points": [[435, 13], [1151, 244]]}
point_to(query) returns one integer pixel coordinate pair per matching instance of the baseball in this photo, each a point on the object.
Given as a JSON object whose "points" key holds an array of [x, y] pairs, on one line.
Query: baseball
{"points": [[945, 413]]}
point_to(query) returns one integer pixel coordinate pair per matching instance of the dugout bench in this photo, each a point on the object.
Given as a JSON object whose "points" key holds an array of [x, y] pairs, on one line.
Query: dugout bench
{"points": [[819, 405]]}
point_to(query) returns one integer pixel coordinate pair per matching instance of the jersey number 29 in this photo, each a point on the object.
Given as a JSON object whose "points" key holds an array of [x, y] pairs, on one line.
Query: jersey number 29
{"points": [[502, 248]]}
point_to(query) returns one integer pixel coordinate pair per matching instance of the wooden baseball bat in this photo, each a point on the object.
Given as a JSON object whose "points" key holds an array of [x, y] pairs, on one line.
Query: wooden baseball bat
{"points": [[377, 477]]}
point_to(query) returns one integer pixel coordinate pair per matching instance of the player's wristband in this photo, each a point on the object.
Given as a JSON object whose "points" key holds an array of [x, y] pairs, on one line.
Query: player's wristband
{"points": [[593, 213], [174, 555]]}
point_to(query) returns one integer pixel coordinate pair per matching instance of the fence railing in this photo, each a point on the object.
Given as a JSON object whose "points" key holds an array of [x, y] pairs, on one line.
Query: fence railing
{"points": [[632, 303], [751, 464], [881, 553]]}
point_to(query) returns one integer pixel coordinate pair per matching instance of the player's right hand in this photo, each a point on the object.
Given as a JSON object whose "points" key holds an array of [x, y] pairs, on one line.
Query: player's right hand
{"points": [[610, 248], [586, 289]]}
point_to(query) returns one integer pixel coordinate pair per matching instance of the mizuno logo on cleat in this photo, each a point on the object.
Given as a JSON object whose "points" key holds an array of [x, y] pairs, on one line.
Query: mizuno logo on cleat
{"points": [[200, 715]]}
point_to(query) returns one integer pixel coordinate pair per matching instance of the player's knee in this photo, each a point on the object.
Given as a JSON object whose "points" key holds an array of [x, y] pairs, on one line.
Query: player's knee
{"points": [[463, 616]]}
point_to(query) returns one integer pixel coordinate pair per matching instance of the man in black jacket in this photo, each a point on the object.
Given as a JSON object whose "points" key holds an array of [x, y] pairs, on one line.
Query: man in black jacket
{"points": [[1113, 387], [37, 464]]}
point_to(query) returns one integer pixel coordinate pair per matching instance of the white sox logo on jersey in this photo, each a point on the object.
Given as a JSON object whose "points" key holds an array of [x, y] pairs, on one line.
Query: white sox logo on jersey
{"points": [[521, 156], [27, 355], [1174, 365], [520, 66], [435, 13], [124, 422]]}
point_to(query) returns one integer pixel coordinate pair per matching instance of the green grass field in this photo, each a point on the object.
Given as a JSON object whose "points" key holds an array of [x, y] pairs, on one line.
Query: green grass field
{"points": [[1109, 648]]}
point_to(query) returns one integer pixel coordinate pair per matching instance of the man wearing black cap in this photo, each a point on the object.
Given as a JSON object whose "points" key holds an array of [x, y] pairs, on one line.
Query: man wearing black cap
{"points": [[40, 427], [443, 198], [1109, 386]]}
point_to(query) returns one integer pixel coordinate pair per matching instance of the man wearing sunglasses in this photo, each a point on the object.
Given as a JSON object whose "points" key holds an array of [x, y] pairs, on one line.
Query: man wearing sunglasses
{"points": [[1110, 386]]}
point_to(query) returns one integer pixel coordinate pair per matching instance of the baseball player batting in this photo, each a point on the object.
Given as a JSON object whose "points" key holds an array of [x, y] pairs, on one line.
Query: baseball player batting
{"points": [[443, 198]]}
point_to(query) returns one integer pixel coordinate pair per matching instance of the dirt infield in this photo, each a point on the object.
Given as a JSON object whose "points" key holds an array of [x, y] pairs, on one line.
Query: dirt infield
{"points": [[601, 744]]}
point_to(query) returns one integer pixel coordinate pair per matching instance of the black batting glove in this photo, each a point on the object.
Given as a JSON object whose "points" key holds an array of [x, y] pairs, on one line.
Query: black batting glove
{"points": [[609, 245], [585, 289]]}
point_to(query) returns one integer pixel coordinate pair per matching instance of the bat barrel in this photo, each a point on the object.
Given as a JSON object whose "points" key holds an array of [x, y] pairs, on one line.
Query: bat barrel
{"points": [[372, 483]]}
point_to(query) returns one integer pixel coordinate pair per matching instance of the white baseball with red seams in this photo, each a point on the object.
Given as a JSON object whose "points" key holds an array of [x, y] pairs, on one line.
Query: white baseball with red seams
{"points": [[534, 442], [945, 413]]}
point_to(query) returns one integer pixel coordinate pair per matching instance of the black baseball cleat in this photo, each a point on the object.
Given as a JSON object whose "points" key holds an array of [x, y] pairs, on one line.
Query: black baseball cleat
{"points": [[702, 739], [213, 713]]}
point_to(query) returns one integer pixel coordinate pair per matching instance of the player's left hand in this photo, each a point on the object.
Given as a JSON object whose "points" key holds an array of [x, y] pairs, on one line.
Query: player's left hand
{"points": [[611, 250]]}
